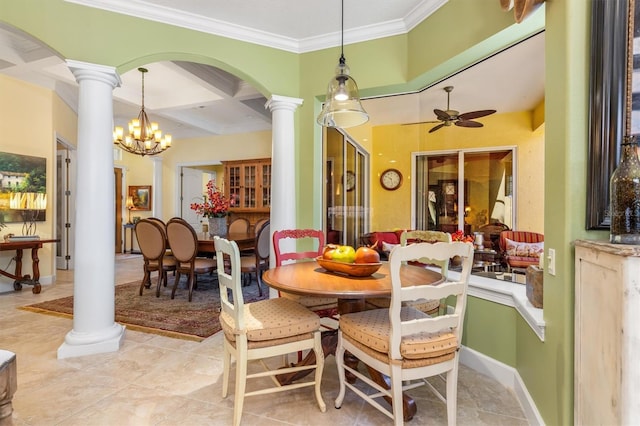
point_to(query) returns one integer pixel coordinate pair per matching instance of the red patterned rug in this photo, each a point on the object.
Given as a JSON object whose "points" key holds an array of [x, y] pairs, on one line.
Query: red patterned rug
{"points": [[179, 318]]}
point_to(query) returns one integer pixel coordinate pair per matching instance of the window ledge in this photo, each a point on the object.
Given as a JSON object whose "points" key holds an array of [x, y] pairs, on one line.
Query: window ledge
{"points": [[508, 294]]}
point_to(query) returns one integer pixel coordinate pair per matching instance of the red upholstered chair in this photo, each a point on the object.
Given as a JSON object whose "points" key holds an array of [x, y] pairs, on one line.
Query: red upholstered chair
{"points": [[521, 248], [285, 245]]}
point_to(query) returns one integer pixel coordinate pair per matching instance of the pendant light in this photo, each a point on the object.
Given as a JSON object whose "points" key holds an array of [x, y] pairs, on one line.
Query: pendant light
{"points": [[342, 106]]}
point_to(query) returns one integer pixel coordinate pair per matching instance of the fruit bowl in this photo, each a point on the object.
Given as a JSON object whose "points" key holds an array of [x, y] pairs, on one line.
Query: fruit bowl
{"points": [[353, 269]]}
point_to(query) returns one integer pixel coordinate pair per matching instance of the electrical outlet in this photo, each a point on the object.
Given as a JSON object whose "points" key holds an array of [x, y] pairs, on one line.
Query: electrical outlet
{"points": [[551, 258]]}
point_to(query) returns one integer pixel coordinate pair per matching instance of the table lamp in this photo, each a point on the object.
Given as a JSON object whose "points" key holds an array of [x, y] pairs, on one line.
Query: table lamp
{"points": [[129, 206]]}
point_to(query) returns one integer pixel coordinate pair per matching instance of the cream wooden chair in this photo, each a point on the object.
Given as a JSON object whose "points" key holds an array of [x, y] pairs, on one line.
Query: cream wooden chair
{"points": [[262, 329], [431, 307], [404, 343]]}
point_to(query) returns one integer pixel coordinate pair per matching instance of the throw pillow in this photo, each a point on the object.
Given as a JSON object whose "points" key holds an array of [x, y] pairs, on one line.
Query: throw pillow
{"points": [[516, 248], [387, 247]]}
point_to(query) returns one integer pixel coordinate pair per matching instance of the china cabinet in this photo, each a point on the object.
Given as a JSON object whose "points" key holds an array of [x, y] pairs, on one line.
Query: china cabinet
{"points": [[607, 333], [248, 183]]}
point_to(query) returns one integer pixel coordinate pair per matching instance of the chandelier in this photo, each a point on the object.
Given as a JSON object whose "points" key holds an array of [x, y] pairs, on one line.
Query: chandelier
{"points": [[144, 138]]}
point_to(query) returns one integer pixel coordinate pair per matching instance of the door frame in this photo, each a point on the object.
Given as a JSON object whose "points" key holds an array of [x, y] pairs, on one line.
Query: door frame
{"points": [[67, 236]]}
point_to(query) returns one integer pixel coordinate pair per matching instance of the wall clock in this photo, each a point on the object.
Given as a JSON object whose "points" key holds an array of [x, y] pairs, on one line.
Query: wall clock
{"points": [[391, 179], [350, 181]]}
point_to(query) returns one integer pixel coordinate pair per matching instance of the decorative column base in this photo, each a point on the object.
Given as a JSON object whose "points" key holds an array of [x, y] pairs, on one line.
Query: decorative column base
{"points": [[81, 344]]}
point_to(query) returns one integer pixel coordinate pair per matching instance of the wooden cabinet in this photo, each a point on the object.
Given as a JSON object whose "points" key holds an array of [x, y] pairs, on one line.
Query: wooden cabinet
{"points": [[607, 334], [248, 183]]}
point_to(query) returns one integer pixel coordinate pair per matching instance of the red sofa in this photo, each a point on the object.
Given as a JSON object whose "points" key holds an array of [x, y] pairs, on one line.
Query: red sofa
{"points": [[382, 239]]}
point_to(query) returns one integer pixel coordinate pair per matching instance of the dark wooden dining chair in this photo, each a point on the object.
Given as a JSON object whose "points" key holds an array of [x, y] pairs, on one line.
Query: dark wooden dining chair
{"points": [[285, 247], [259, 224], [152, 241], [239, 225], [403, 343], [184, 245], [259, 260]]}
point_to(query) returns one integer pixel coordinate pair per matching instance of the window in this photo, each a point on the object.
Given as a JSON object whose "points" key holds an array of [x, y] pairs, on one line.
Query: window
{"points": [[346, 189], [464, 189]]}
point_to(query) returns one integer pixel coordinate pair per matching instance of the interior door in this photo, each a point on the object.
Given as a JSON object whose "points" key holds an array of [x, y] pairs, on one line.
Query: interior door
{"points": [[191, 192], [117, 173], [64, 230]]}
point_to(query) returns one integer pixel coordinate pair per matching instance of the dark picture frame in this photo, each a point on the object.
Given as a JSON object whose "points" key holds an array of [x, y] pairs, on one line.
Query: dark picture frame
{"points": [[609, 103], [141, 195]]}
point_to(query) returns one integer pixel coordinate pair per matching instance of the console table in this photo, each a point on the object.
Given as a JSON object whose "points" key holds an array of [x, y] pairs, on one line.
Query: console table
{"points": [[17, 276]]}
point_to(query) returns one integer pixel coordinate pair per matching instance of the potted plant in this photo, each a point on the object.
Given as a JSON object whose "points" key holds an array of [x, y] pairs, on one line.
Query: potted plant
{"points": [[215, 207]]}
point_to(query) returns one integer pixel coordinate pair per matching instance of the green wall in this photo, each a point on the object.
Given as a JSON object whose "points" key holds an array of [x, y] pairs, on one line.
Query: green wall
{"points": [[459, 33]]}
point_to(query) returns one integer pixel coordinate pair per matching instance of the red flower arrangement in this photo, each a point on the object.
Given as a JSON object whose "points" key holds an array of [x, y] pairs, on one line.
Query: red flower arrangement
{"points": [[459, 236], [215, 204]]}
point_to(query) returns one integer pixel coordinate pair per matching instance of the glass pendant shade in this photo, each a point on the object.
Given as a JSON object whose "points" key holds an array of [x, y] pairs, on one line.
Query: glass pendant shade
{"points": [[342, 106], [625, 196]]}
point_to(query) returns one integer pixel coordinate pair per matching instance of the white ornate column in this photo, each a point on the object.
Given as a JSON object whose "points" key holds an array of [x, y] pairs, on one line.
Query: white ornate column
{"points": [[94, 329], [283, 164], [156, 198]]}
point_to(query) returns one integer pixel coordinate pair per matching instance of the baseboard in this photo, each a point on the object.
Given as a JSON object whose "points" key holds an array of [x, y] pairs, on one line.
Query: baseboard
{"points": [[505, 375]]}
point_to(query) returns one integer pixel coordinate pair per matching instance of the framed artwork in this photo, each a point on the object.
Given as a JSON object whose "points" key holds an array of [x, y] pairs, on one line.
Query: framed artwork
{"points": [[23, 187], [614, 106], [141, 196]]}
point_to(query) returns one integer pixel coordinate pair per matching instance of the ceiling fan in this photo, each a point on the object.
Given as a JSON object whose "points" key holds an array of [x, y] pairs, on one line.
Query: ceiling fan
{"points": [[445, 118]]}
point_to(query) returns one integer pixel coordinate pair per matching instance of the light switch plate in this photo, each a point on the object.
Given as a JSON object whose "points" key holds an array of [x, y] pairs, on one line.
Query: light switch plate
{"points": [[551, 258]]}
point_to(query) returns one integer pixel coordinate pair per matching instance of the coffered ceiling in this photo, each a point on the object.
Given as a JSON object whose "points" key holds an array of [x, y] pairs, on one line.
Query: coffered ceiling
{"points": [[193, 100]]}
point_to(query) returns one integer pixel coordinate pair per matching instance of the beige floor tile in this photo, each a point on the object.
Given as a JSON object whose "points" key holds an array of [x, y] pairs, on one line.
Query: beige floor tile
{"points": [[156, 380]]}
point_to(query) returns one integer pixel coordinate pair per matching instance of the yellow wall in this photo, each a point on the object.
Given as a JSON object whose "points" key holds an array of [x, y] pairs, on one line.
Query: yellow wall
{"points": [[27, 126], [392, 147]]}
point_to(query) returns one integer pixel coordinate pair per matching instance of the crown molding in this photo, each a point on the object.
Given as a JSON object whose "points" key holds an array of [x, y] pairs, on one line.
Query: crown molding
{"points": [[145, 10]]}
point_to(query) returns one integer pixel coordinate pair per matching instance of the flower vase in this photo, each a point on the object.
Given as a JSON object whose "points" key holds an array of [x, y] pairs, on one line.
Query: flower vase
{"points": [[218, 226], [625, 196]]}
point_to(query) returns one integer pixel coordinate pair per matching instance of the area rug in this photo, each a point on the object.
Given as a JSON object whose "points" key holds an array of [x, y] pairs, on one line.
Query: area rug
{"points": [[178, 318]]}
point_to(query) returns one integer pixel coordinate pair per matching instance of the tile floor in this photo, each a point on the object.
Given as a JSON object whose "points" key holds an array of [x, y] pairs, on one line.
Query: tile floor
{"points": [[155, 380]]}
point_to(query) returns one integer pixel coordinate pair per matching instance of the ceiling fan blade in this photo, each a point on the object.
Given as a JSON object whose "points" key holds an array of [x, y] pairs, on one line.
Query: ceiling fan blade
{"points": [[468, 123], [476, 114], [421, 122], [442, 115], [436, 127]]}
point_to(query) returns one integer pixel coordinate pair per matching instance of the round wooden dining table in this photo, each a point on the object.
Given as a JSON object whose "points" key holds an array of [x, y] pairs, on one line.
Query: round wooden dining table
{"points": [[310, 279]]}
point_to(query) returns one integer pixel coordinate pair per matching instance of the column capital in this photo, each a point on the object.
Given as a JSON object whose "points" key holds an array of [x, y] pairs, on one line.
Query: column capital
{"points": [[278, 102], [87, 71]]}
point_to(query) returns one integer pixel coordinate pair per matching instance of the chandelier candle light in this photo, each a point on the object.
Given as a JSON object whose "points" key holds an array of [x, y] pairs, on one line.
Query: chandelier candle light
{"points": [[145, 137]]}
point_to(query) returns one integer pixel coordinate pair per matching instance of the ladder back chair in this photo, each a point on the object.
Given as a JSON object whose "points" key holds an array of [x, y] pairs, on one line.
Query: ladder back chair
{"points": [[285, 247], [259, 330], [404, 343]]}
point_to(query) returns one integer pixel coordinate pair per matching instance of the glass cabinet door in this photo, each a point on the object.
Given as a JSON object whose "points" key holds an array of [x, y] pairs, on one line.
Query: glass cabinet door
{"points": [[249, 187]]}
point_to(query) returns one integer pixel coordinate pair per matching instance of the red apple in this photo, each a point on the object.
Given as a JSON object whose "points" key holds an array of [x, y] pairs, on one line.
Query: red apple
{"points": [[328, 251], [367, 255]]}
